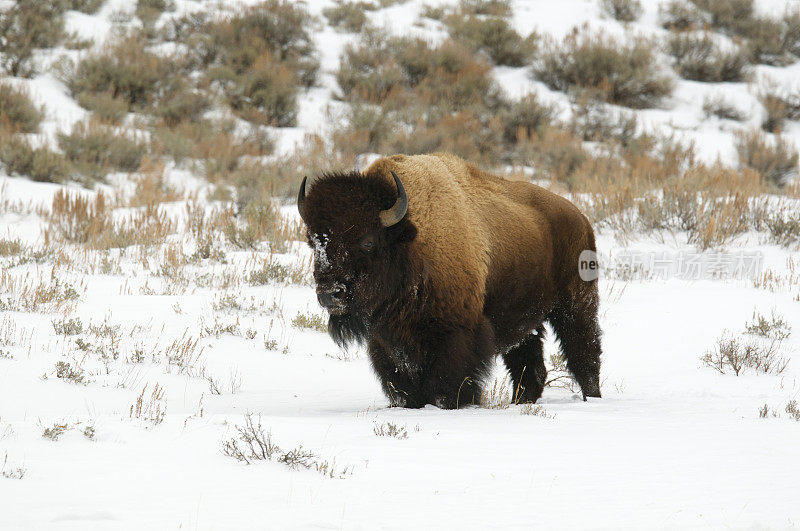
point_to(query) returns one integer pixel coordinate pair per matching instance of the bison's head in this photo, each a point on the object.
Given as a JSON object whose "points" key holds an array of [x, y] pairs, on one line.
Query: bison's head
{"points": [[358, 228]]}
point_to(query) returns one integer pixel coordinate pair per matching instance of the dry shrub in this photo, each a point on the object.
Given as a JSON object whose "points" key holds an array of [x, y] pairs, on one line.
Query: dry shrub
{"points": [[495, 8], [76, 218], [96, 150], [625, 73], [431, 98], [698, 57], [89, 7], [780, 104], [492, 36], [527, 116], [681, 16], [433, 12], [728, 15], [400, 71], [765, 41], [105, 106], [215, 144], [769, 40], [266, 93], [257, 57], [595, 121], [718, 106], [783, 227], [735, 355], [149, 11], [39, 163], [712, 205], [791, 31], [253, 217], [622, 10], [126, 73], [348, 16], [554, 154], [26, 25], [17, 111], [775, 161], [365, 129]]}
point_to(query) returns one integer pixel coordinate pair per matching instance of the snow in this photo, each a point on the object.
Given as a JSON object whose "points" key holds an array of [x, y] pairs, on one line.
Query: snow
{"points": [[672, 443]]}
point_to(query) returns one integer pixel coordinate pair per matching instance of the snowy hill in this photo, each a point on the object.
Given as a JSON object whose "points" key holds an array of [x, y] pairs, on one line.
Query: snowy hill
{"points": [[157, 311]]}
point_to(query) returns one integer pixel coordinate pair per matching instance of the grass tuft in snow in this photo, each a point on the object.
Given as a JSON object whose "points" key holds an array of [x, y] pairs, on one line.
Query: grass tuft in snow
{"points": [[55, 431], [12, 472], [793, 410], [150, 407], [310, 321], [772, 327], [68, 327], [70, 373], [535, 411], [390, 429]]}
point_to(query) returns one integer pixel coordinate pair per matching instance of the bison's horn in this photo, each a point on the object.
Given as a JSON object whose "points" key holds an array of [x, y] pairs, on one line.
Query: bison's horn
{"points": [[301, 197], [398, 211]]}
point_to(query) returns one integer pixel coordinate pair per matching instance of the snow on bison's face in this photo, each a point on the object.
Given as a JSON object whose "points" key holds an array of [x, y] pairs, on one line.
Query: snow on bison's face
{"points": [[353, 227]]}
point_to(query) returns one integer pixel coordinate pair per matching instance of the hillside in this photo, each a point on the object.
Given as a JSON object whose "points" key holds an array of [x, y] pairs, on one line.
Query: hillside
{"points": [[164, 362]]}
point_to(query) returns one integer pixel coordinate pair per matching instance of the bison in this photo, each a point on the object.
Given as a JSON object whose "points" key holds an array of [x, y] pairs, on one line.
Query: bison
{"points": [[437, 266]]}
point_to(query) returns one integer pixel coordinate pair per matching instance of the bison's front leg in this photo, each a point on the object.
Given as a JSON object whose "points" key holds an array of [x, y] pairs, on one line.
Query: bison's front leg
{"points": [[399, 380], [457, 363]]}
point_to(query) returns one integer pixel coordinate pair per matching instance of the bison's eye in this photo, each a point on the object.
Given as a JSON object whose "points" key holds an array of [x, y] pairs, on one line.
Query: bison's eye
{"points": [[367, 244]]}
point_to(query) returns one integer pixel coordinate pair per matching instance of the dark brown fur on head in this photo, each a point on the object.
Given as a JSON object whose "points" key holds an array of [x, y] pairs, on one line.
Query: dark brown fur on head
{"points": [[474, 268], [341, 211]]}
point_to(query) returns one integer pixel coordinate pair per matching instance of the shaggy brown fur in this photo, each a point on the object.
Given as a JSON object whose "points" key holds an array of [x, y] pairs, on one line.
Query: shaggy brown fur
{"points": [[475, 268]]}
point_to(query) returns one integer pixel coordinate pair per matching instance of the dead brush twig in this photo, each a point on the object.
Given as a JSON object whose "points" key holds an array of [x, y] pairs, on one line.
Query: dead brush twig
{"points": [[253, 443], [736, 356]]}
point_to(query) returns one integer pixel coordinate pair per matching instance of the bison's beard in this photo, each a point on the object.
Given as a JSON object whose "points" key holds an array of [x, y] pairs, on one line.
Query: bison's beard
{"points": [[347, 328]]}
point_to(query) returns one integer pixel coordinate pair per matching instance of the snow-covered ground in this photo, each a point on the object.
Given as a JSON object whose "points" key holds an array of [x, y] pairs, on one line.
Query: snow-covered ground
{"points": [[672, 443]]}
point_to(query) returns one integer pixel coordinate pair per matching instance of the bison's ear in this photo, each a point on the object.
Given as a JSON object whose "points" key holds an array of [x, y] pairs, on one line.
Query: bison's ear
{"points": [[404, 231]]}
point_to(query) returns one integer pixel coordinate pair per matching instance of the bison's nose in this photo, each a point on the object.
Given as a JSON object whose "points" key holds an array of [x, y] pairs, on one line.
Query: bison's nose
{"points": [[331, 297]]}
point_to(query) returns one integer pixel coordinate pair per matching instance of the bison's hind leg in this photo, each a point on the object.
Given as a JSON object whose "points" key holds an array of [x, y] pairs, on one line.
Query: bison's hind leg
{"points": [[574, 320], [525, 363]]}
